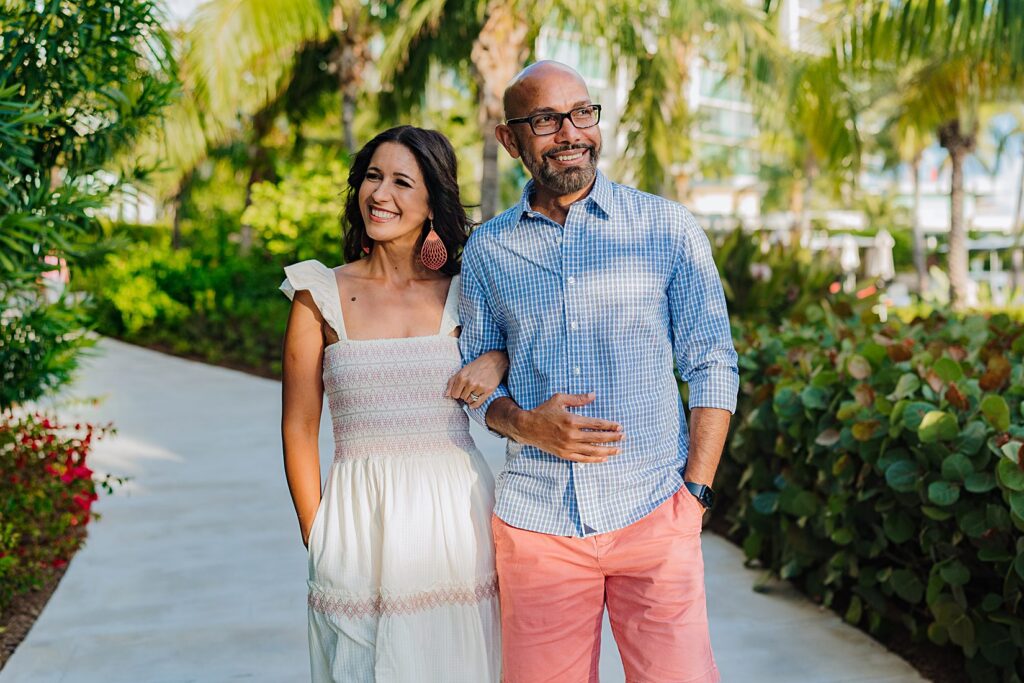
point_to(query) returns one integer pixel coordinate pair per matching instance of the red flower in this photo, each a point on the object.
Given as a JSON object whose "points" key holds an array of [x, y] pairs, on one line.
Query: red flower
{"points": [[81, 472], [83, 501]]}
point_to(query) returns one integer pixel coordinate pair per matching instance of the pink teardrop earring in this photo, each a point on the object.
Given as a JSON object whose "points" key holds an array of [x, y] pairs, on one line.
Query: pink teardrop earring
{"points": [[433, 254]]}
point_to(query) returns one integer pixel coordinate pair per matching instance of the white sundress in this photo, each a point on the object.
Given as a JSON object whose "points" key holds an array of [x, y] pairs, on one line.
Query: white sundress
{"points": [[402, 586]]}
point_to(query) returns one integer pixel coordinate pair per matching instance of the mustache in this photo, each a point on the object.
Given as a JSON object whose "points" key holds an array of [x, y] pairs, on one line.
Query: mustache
{"points": [[568, 148]]}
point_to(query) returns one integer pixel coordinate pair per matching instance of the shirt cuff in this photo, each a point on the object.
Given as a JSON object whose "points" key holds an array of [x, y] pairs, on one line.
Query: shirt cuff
{"points": [[714, 387], [480, 412]]}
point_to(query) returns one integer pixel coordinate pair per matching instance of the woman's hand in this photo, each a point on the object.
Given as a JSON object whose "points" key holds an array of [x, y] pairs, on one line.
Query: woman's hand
{"points": [[478, 380]]}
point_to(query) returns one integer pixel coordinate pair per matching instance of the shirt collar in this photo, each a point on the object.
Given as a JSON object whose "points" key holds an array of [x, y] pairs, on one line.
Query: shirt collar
{"points": [[600, 194]]}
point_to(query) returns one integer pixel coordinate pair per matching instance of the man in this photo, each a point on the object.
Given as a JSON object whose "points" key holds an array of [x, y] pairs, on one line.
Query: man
{"points": [[594, 289]]}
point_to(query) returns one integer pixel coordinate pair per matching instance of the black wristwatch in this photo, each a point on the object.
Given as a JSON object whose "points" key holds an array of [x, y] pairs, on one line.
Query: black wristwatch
{"points": [[702, 492]]}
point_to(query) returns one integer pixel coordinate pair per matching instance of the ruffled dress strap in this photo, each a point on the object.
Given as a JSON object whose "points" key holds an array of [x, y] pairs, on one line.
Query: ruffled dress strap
{"points": [[321, 283], [450, 316]]}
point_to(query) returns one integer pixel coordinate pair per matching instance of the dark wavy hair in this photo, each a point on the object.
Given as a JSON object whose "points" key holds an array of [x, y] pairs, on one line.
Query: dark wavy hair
{"points": [[437, 163]]}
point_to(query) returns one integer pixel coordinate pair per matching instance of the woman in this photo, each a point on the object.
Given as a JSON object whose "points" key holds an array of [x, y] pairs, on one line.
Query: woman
{"points": [[401, 567]]}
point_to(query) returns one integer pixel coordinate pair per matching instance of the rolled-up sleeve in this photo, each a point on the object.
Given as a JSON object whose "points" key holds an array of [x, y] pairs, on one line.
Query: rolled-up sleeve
{"points": [[481, 331], [701, 337]]}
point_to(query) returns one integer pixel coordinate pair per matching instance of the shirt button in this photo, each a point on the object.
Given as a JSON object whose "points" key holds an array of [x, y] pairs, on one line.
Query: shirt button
{"points": [[572, 280], [576, 370], [574, 325], [558, 240]]}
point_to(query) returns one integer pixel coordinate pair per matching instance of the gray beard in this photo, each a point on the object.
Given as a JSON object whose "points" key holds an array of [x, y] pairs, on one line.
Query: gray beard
{"points": [[566, 181]]}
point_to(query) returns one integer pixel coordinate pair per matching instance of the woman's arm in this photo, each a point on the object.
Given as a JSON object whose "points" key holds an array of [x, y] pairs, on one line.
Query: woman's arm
{"points": [[302, 400], [478, 380]]}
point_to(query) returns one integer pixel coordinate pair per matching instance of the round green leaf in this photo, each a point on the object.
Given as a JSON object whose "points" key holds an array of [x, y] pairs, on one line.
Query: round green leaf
{"points": [[980, 482], [938, 514], [842, 536], [974, 523], [943, 492], [961, 632], [1017, 503], [972, 438], [898, 527], [992, 602], [955, 573], [995, 410], [787, 403], [948, 370], [957, 467], [798, 503], [946, 611], [902, 475], [914, 412], [1010, 475], [766, 503], [938, 425], [906, 386], [1018, 564], [825, 379], [907, 585], [814, 398]]}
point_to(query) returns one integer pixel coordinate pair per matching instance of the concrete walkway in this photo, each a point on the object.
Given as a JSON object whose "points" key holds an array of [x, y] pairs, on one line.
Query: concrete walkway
{"points": [[196, 572]]}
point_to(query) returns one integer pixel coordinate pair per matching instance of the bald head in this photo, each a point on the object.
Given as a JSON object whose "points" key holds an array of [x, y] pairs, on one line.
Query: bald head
{"points": [[530, 84]]}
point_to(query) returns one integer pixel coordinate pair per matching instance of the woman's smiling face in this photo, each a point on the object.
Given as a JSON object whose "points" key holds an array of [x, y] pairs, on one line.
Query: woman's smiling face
{"points": [[393, 197]]}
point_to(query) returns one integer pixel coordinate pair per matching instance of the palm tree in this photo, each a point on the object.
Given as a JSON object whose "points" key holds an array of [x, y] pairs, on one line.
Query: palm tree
{"points": [[656, 42], [966, 55], [490, 36], [808, 112]]}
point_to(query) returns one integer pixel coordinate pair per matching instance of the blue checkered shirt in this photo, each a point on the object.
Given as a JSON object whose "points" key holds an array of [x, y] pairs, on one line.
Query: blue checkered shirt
{"points": [[604, 304]]}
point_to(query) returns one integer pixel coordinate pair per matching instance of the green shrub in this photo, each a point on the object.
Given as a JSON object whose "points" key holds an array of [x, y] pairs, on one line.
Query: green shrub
{"points": [[881, 468], [222, 311], [39, 348], [299, 218], [772, 282], [46, 498]]}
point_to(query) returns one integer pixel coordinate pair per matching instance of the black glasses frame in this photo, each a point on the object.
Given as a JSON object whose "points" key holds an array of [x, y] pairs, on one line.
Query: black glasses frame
{"points": [[562, 116]]}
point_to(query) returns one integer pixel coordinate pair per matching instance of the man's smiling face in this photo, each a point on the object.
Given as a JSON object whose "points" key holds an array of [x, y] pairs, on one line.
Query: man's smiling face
{"points": [[564, 162]]}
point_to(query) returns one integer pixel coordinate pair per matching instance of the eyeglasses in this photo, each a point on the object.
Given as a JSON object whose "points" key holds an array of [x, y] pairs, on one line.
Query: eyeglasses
{"points": [[549, 123]]}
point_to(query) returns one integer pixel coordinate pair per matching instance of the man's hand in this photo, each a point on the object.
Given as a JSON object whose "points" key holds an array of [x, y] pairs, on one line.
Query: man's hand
{"points": [[553, 429]]}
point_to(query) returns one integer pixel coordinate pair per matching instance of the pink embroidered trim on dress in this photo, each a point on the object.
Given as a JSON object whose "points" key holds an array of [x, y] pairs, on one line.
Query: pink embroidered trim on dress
{"points": [[413, 422], [348, 399], [409, 604], [403, 445]]}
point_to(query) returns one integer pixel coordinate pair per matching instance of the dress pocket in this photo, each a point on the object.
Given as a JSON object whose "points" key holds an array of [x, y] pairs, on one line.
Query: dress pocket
{"points": [[313, 537]]}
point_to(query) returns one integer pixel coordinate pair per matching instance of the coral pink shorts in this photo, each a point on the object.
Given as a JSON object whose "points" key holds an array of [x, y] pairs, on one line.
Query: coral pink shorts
{"points": [[650, 575]]}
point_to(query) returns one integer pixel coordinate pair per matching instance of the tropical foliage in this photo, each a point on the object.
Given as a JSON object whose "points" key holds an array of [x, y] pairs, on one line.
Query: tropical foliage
{"points": [[46, 501], [80, 82], [881, 468]]}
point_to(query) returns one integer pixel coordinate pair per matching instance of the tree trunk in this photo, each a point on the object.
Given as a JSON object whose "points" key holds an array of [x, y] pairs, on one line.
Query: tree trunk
{"points": [[920, 258], [498, 55], [959, 144], [803, 199], [260, 169], [347, 63], [178, 205]]}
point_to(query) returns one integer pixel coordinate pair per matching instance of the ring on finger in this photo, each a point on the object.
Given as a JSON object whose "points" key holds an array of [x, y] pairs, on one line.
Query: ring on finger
{"points": [[473, 397]]}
